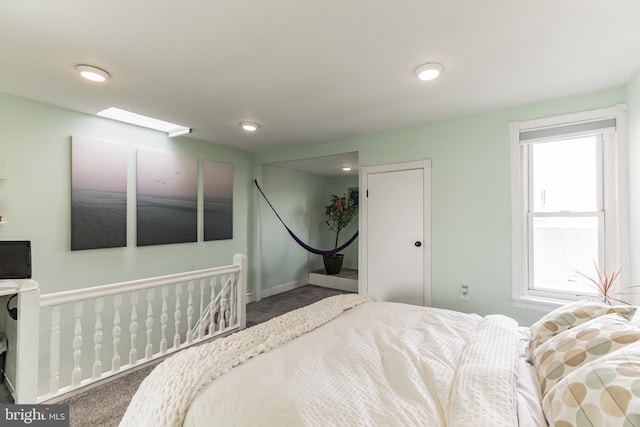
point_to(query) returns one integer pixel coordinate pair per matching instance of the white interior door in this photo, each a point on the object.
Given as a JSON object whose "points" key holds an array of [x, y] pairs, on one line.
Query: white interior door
{"points": [[397, 241]]}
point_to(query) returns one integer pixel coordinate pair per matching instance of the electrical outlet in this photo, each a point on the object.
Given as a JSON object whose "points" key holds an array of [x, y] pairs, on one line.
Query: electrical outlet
{"points": [[464, 292]]}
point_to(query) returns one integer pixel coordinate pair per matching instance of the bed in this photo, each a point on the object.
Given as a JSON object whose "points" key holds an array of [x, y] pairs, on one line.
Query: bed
{"points": [[348, 360]]}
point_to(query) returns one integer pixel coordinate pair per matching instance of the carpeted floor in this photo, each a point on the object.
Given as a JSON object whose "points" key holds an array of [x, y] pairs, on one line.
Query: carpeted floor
{"points": [[276, 305], [5, 396], [105, 405]]}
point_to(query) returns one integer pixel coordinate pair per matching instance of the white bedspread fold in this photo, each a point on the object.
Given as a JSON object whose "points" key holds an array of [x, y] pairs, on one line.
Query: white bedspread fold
{"points": [[484, 392]]}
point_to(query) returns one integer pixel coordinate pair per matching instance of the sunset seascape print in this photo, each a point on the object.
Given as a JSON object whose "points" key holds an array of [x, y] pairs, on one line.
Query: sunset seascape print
{"points": [[218, 200], [167, 193], [98, 194]]}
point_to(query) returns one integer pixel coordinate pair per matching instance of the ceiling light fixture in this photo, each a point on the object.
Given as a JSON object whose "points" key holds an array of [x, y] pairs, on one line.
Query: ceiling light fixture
{"points": [[92, 73], [429, 71], [249, 126], [171, 129], [346, 168]]}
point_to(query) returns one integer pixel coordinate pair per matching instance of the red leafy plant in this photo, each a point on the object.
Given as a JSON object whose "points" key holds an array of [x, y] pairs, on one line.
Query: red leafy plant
{"points": [[604, 284]]}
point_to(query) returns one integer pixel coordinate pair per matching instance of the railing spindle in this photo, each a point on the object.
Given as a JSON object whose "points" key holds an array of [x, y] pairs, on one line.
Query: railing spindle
{"points": [[212, 311], [133, 329], [223, 303], [97, 339], [117, 331], [232, 293], [177, 314], [54, 356], [76, 374], [201, 328], [164, 318], [189, 337], [148, 350]]}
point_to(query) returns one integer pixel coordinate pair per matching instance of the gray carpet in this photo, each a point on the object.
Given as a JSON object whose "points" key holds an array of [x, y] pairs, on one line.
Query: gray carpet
{"points": [[5, 396], [105, 405], [276, 305]]}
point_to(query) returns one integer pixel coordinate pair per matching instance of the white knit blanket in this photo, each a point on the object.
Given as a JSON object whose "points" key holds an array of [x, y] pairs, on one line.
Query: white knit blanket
{"points": [[165, 395]]}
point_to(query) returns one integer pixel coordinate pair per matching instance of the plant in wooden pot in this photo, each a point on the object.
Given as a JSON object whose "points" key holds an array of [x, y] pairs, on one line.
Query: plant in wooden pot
{"points": [[339, 212]]}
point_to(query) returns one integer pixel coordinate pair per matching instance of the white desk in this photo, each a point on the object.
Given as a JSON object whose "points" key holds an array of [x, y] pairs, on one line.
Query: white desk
{"points": [[8, 287]]}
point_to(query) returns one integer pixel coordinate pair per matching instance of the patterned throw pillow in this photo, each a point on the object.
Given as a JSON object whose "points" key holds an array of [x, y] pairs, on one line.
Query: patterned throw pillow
{"points": [[605, 392], [572, 315], [567, 351]]}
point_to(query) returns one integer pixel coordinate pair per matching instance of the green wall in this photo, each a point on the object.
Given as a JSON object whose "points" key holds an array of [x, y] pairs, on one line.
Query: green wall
{"points": [[471, 225], [35, 145], [300, 199]]}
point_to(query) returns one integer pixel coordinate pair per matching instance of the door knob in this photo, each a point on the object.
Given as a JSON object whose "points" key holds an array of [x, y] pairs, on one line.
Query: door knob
{"points": [[418, 244]]}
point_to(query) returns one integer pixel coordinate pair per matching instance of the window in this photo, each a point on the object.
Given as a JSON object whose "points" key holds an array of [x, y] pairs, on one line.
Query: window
{"points": [[565, 198]]}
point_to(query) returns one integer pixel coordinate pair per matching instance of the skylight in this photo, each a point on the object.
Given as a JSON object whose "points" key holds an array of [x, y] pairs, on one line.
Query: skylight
{"points": [[171, 129]]}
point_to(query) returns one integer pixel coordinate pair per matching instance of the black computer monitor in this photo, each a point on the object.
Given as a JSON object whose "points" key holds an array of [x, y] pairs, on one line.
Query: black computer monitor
{"points": [[15, 259]]}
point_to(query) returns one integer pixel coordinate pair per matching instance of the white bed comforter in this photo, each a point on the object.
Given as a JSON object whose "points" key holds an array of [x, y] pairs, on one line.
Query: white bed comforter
{"points": [[376, 364]]}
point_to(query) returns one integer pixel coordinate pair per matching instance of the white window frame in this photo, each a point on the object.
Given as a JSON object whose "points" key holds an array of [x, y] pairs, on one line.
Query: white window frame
{"points": [[615, 219]]}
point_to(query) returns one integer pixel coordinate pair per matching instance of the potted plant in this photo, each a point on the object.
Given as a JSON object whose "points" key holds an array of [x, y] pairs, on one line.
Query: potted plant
{"points": [[339, 212], [603, 283]]}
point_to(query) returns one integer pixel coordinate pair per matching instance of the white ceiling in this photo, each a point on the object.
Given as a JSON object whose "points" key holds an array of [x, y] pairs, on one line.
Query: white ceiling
{"points": [[312, 71]]}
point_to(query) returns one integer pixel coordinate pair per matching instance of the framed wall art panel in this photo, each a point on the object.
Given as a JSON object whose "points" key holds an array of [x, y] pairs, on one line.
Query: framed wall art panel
{"points": [[167, 194], [98, 193]]}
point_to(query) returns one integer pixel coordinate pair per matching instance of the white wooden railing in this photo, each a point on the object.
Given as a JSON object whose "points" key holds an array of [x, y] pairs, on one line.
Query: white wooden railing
{"points": [[201, 304]]}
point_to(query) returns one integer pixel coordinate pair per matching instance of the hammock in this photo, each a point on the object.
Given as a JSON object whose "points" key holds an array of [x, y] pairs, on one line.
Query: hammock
{"points": [[297, 239]]}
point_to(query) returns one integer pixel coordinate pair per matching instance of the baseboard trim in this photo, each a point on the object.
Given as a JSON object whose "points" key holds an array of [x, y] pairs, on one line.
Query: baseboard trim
{"points": [[278, 289], [347, 282]]}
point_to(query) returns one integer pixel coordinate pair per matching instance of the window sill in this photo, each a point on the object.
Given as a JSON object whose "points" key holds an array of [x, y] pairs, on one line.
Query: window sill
{"points": [[538, 303]]}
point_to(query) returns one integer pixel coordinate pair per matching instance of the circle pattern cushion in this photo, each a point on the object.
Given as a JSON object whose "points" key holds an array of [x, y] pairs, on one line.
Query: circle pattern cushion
{"points": [[605, 392], [592, 340], [572, 315]]}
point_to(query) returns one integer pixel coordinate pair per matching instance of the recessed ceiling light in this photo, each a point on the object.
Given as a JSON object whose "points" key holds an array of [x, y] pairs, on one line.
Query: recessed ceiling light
{"points": [[346, 168], [429, 71], [249, 126], [171, 129], [92, 73]]}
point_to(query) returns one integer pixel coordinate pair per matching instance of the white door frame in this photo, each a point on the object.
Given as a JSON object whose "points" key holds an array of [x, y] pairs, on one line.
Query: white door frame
{"points": [[425, 165]]}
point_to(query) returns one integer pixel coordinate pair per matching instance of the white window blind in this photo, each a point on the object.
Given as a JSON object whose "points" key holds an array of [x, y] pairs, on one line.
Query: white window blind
{"points": [[571, 130]]}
